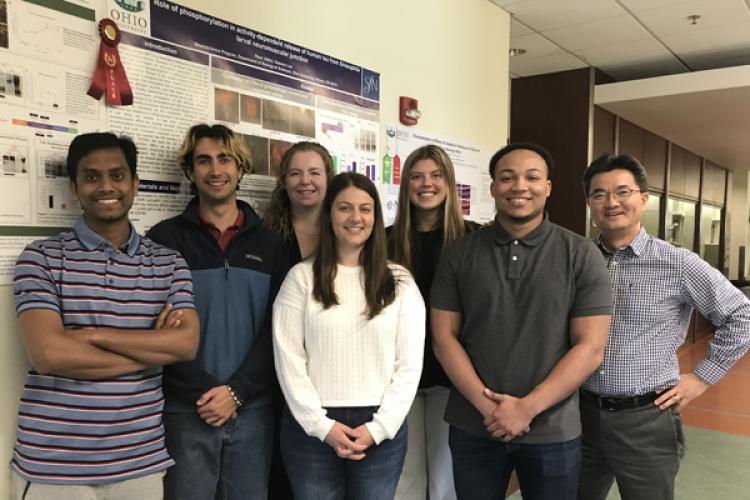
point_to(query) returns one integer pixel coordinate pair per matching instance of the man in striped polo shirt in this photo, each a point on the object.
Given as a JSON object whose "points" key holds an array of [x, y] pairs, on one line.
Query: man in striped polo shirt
{"points": [[101, 309]]}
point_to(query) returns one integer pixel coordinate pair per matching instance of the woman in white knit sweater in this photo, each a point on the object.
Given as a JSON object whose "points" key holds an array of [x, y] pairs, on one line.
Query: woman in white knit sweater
{"points": [[348, 338]]}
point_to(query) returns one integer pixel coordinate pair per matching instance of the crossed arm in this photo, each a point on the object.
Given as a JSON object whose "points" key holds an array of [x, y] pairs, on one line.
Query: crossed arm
{"points": [[100, 353], [506, 416]]}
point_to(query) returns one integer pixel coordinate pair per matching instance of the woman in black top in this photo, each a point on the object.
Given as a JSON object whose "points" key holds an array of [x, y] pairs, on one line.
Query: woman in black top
{"points": [[429, 217], [294, 213]]}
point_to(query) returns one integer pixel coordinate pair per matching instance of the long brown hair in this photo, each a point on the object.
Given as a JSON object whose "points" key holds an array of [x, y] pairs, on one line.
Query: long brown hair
{"points": [[380, 284], [278, 215], [401, 241]]}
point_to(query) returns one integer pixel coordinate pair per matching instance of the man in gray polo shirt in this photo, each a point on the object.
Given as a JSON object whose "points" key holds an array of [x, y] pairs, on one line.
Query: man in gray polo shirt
{"points": [[520, 311]]}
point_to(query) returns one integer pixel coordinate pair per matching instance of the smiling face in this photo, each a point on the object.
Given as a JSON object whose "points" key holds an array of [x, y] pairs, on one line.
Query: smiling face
{"points": [[617, 216], [427, 187], [305, 180], [521, 188], [352, 218], [105, 188], [216, 172]]}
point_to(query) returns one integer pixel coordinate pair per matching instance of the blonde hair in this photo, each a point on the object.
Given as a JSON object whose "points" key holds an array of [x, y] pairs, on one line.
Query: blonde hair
{"points": [[278, 215], [401, 241], [234, 145]]}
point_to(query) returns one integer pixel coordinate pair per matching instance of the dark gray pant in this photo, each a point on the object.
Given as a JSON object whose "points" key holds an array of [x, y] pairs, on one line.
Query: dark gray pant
{"points": [[641, 448]]}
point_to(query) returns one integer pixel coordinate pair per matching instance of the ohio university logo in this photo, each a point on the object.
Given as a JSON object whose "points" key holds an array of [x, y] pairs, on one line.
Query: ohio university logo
{"points": [[131, 5]]}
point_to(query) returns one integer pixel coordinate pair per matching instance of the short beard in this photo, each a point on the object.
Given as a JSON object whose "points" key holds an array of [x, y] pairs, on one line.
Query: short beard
{"points": [[525, 219]]}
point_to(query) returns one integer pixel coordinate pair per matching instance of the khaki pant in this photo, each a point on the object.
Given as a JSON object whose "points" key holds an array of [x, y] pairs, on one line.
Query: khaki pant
{"points": [[142, 488], [428, 466]]}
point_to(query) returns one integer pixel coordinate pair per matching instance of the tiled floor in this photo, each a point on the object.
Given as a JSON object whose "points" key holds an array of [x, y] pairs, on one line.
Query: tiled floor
{"points": [[724, 407], [717, 432], [717, 461]]}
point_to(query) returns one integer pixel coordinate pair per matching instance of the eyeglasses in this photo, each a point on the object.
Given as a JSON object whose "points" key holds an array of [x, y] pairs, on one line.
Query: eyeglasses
{"points": [[621, 194]]}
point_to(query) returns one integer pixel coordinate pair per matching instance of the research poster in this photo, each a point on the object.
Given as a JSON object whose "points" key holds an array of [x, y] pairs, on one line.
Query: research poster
{"points": [[469, 161], [184, 67]]}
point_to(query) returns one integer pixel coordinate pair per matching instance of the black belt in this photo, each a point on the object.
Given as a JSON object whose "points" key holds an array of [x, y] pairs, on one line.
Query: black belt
{"points": [[616, 404]]}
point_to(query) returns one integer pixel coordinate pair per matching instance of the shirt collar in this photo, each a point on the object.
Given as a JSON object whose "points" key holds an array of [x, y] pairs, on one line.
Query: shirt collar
{"points": [[532, 239], [637, 245], [235, 225], [92, 241]]}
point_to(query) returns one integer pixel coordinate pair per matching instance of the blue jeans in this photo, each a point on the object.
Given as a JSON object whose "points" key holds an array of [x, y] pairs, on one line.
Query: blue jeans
{"points": [[482, 467], [317, 473], [230, 462]]}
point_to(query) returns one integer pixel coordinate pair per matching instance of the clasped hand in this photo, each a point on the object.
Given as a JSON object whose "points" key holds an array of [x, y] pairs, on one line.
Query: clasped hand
{"points": [[511, 418], [349, 443]]}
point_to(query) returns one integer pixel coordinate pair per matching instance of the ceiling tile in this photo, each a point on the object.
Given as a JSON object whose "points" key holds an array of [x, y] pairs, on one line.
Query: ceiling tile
{"points": [[505, 3], [541, 56], [642, 5], [544, 15], [545, 64], [535, 46], [720, 59], [663, 21], [518, 29], [600, 33], [707, 40], [624, 53], [658, 67]]}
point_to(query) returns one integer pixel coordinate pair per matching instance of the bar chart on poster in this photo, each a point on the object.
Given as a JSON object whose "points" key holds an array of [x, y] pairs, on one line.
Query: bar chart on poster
{"points": [[184, 67]]}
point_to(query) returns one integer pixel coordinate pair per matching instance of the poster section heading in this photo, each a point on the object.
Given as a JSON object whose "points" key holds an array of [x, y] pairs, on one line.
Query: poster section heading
{"points": [[164, 48], [181, 25]]}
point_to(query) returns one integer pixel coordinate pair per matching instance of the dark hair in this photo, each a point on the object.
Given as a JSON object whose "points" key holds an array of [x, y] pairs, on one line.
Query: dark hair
{"points": [[235, 147], [379, 285], [278, 215], [608, 162], [530, 146], [84, 144]]}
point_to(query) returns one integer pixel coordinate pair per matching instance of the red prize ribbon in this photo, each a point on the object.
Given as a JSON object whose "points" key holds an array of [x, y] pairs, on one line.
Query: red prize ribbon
{"points": [[109, 76]]}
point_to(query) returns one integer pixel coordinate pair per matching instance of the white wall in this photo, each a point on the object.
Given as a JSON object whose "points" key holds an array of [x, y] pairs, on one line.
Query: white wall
{"points": [[452, 55]]}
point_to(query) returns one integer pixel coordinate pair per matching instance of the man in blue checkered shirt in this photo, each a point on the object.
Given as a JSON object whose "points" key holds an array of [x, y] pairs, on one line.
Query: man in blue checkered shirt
{"points": [[632, 430]]}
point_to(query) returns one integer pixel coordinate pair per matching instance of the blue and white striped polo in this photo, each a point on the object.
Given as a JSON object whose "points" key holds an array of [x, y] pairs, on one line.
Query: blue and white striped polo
{"points": [[93, 432]]}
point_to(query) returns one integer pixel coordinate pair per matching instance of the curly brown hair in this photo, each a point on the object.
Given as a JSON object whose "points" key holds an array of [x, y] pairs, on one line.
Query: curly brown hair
{"points": [[278, 215]]}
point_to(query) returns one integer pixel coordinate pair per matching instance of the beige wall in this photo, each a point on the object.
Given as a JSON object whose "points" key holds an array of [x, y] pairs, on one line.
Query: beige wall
{"points": [[13, 366], [452, 55]]}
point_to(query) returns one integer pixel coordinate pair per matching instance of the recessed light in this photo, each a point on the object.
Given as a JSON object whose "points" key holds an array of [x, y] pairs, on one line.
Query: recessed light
{"points": [[516, 52]]}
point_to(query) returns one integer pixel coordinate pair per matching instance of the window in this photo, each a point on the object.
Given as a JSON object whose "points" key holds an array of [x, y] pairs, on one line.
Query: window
{"points": [[680, 227], [650, 216], [710, 235]]}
